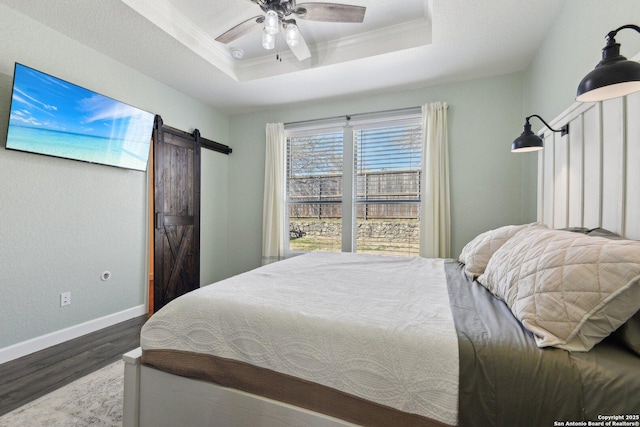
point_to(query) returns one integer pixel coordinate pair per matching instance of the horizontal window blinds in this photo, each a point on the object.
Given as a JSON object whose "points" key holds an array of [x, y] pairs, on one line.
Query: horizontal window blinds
{"points": [[388, 163], [379, 157], [314, 167], [314, 185]]}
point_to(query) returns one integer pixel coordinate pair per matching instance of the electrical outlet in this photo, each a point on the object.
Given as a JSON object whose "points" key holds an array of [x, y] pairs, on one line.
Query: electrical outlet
{"points": [[65, 299]]}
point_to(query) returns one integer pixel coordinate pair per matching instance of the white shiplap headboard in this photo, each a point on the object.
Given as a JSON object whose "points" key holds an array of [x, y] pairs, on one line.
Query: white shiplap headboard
{"points": [[591, 177]]}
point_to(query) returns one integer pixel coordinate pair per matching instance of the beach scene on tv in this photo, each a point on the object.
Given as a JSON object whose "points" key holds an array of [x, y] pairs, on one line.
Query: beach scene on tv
{"points": [[57, 118]]}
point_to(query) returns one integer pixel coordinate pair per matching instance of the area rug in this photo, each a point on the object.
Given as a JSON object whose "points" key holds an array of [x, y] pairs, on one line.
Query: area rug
{"points": [[93, 400]]}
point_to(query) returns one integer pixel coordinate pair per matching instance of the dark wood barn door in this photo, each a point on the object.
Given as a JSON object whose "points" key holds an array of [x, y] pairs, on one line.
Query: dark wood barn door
{"points": [[177, 213]]}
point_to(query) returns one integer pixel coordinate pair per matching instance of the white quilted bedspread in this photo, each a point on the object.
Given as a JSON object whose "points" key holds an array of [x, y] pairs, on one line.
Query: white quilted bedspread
{"points": [[373, 326]]}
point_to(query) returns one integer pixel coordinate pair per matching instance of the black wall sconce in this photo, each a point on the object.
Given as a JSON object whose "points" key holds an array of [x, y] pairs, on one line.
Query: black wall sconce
{"points": [[614, 76], [529, 141]]}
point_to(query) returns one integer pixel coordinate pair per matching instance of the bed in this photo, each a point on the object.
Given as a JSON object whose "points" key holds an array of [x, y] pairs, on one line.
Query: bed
{"points": [[349, 339], [423, 343]]}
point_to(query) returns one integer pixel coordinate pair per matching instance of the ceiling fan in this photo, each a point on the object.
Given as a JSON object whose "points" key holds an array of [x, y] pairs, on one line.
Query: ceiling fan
{"points": [[281, 14]]}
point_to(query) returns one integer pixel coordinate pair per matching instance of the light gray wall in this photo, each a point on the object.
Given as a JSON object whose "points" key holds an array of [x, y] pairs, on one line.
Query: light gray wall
{"points": [[484, 115], [63, 222], [569, 51], [214, 215], [490, 186]]}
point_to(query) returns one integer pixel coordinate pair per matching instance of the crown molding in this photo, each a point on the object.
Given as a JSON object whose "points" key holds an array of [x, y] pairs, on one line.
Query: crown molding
{"points": [[386, 40], [372, 43], [173, 22]]}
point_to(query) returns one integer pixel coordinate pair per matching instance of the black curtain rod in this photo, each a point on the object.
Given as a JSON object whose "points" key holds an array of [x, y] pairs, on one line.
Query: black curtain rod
{"points": [[351, 116]]}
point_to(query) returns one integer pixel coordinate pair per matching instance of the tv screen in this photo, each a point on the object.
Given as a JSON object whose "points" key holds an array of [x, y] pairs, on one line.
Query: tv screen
{"points": [[57, 118]]}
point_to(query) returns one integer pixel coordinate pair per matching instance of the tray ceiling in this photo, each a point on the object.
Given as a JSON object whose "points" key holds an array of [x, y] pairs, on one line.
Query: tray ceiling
{"points": [[401, 44]]}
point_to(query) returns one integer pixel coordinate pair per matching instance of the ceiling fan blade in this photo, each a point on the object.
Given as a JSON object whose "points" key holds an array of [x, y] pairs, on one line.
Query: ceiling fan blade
{"points": [[301, 50], [241, 29], [330, 12]]}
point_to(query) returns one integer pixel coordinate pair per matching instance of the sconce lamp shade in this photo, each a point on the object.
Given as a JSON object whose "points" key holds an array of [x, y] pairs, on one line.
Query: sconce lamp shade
{"points": [[614, 76], [529, 141]]}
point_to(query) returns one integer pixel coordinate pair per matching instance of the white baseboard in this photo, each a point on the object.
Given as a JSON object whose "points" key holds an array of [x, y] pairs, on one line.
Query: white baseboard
{"points": [[24, 348]]}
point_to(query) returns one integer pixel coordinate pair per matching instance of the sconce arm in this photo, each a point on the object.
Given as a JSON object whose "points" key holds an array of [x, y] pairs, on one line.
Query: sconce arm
{"points": [[610, 36], [563, 130]]}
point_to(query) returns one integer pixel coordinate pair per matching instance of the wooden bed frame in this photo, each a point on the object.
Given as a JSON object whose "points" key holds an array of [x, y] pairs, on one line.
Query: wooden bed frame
{"points": [[591, 177], [152, 396], [588, 178]]}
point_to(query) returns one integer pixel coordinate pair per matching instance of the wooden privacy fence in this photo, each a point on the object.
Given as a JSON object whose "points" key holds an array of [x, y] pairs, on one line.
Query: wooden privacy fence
{"points": [[380, 195]]}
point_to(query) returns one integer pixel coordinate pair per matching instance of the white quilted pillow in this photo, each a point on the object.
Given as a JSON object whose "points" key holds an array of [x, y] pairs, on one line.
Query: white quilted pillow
{"points": [[476, 254], [568, 289]]}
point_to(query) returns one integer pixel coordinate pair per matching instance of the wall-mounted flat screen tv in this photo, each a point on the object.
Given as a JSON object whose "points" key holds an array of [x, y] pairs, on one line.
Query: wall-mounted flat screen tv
{"points": [[57, 118]]}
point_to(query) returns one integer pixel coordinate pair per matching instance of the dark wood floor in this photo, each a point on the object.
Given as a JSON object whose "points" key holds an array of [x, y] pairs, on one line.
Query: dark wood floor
{"points": [[32, 376]]}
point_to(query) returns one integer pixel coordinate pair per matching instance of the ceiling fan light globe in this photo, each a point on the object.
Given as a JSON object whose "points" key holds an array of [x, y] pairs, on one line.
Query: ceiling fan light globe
{"points": [[271, 22], [292, 36], [268, 40]]}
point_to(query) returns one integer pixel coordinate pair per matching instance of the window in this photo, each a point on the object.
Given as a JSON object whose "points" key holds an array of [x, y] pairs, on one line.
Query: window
{"points": [[314, 191], [388, 166], [356, 187]]}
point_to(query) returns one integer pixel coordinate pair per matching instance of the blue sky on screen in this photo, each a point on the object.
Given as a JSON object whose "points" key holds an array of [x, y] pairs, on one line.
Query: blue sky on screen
{"points": [[46, 102]]}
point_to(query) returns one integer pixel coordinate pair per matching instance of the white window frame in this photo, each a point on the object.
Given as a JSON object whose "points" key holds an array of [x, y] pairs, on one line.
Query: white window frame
{"points": [[348, 126]]}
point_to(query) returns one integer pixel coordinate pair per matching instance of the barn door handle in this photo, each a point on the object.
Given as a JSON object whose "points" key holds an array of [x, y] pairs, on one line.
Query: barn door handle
{"points": [[158, 220]]}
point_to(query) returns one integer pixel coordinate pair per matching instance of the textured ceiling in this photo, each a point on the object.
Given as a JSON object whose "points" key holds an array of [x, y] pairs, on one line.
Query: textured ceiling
{"points": [[402, 44]]}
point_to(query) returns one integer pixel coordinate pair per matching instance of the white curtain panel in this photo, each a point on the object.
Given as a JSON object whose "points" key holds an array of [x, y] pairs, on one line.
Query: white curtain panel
{"points": [[273, 218], [435, 217]]}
